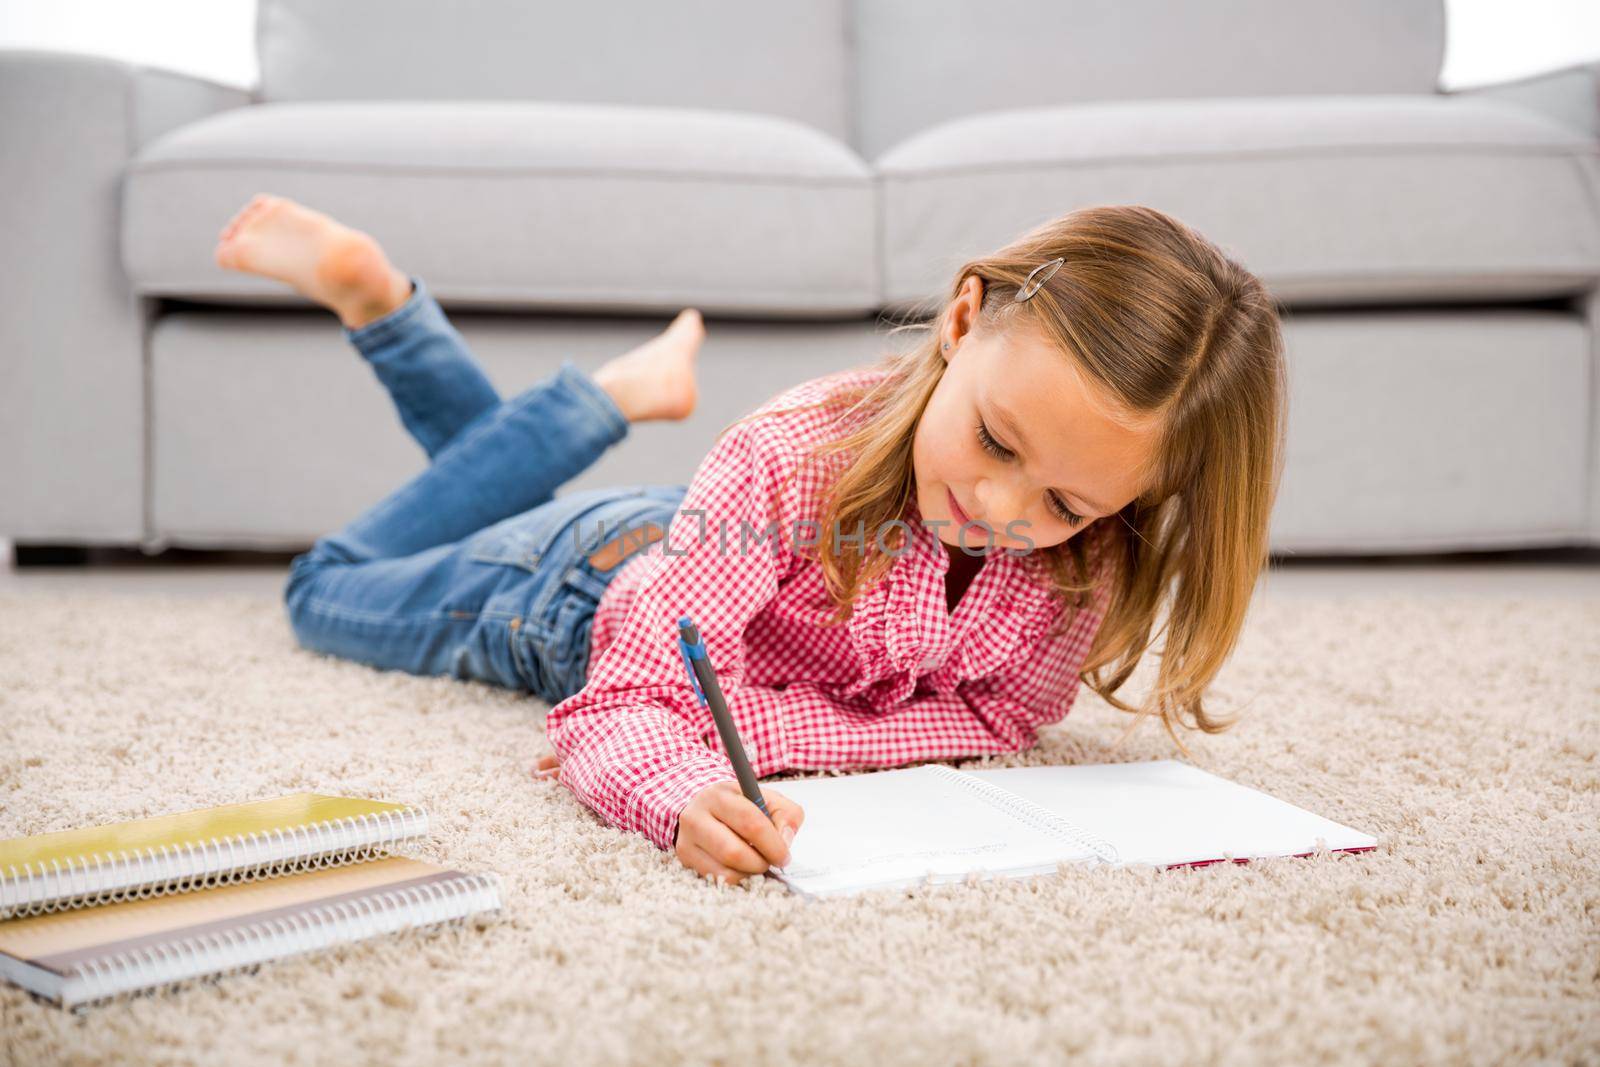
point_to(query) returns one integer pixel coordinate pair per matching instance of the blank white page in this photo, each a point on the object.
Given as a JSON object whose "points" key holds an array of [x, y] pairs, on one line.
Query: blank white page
{"points": [[1167, 812], [903, 827]]}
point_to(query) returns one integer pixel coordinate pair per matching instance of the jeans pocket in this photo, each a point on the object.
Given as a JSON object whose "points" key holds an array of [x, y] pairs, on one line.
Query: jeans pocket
{"points": [[557, 541], [575, 523]]}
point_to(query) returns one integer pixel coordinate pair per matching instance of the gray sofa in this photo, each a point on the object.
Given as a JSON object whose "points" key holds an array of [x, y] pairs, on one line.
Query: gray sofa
{"points": [[567, 177]]}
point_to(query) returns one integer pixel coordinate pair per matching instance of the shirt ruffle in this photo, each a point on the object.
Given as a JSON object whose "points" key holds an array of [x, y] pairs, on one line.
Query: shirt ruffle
{"points": [[902, 632]]}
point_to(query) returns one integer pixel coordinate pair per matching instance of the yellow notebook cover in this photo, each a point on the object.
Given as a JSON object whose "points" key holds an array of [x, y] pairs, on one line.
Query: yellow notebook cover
{"points": [[193, 849]]}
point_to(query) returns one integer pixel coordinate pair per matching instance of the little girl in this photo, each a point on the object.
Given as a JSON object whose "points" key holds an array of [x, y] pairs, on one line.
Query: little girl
{"points": [[914, 560]]}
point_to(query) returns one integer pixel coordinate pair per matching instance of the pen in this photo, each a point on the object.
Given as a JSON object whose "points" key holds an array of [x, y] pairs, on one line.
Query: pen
{"points": [[704, 679]]}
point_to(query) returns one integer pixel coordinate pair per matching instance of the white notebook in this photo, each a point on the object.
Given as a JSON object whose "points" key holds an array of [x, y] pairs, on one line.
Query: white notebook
{"points": [[932, 823]]}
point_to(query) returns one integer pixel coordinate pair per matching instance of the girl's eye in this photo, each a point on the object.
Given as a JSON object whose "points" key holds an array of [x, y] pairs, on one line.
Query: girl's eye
{"points": [[1063, 512], [993, 447], [999, 451]]}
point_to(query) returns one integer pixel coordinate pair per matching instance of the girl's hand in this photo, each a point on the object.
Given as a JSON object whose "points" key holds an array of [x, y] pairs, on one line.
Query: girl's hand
{"points": [[721, 833]]}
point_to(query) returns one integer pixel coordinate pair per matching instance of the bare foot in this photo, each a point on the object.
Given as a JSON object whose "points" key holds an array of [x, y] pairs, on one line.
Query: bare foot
{"points": [[340, 268], [656, 380]]}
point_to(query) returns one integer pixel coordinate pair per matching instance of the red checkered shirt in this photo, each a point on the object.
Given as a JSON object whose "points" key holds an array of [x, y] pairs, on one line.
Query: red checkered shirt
{"points": [[904, 680]]}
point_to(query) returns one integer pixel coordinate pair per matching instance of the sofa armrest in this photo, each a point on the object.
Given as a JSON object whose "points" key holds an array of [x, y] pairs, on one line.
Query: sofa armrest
{"points": [[1570, 95], [72, 397]]}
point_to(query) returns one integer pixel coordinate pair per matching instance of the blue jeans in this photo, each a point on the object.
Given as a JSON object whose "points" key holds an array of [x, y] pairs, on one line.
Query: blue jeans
{"points": [[473, 568]]}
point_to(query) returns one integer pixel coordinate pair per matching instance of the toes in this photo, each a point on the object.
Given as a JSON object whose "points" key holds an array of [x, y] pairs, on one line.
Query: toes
{"points": [[256, 203], [232, 254], [233, 224], [265, 206], [260, 204], [238, 252]]}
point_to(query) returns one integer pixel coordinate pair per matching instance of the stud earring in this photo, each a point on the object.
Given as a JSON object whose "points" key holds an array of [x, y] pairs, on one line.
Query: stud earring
{"points": [[947, 346]]}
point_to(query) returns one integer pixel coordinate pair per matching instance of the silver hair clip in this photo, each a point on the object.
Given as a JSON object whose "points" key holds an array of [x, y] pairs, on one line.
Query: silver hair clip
{"points": [[1030, 287]]}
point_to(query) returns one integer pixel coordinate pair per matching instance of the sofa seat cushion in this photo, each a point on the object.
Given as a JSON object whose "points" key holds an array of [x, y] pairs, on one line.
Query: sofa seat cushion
{"points": [[525, 204], [1331, 199]]}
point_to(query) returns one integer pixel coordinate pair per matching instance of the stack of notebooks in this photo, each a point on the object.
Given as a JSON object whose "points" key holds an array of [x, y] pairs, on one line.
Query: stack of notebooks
{"points": [[87, 914], [933, 823]]}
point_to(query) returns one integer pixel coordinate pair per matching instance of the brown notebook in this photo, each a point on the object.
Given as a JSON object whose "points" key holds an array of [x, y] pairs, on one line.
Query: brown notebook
{"points": [[85, 954]]}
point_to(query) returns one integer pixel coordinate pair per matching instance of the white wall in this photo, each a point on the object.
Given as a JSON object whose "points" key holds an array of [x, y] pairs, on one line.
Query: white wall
{"points": [[1486, 40], [210, 38], [1496, 40]]}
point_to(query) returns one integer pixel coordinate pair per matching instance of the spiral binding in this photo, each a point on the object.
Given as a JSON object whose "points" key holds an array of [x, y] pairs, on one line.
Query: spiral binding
{"points": [[1026, 811], [140, 874], [235, 949]]}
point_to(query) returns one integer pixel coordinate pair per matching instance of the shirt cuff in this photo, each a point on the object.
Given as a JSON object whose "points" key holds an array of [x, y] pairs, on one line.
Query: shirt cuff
{"points": [[654, 806]]}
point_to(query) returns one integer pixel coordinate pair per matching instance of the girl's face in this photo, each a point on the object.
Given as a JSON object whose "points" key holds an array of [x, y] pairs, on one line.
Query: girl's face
{"points": [[1047, 461]]}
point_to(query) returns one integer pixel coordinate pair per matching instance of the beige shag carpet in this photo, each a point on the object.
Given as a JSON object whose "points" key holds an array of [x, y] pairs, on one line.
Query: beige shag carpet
{"points": [[1463, 732]]}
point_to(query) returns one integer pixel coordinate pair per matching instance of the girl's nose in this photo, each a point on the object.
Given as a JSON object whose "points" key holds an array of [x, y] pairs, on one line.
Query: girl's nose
{"points": [[1002, 501]]}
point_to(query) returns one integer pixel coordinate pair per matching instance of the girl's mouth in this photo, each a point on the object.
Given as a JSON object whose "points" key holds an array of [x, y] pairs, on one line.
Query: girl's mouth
{"points": [[962, 518]]}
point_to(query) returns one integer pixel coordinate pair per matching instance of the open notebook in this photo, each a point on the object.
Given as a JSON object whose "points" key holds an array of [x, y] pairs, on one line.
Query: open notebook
{"points": [[932, 823], [79, 955], [195, 849]]}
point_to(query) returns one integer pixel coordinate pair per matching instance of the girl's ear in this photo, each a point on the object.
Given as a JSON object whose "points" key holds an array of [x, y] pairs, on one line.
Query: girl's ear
{"points": [[964, 308]]}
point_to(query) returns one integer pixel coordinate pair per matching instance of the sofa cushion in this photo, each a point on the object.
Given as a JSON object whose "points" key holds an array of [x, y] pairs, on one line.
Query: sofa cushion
{"points": [[922, 62], [1373, 198], [525, 204], [777, 59]]}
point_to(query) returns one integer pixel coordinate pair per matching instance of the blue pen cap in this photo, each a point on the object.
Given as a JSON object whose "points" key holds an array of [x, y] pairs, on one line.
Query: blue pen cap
{"points": [[690, 633], [686, 649]]}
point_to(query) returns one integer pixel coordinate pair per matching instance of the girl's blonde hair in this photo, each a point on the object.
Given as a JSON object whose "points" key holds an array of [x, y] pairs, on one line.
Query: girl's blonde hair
{"points": [[1174, 334]]}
